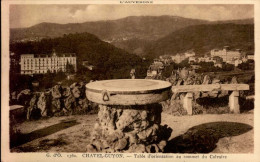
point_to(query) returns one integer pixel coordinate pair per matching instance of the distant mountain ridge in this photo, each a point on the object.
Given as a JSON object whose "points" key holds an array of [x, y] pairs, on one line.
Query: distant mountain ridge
{"points": [[131, 33], [202, 38], [148, 27], [239, 21]]}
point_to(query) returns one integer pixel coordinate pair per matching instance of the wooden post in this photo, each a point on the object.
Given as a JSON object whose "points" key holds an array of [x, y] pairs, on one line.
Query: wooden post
{"points": [[187, 103], [234, 102]]}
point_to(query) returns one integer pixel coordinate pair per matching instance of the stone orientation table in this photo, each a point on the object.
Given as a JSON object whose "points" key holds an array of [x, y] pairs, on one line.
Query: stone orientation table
{"points": [[129, 115]]}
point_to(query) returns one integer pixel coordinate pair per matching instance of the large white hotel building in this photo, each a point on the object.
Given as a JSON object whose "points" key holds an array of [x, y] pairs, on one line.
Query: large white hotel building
{"points": [[41, 63]]}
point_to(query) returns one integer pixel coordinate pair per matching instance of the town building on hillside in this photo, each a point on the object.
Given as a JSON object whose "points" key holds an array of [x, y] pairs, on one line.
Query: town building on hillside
{"points": [[155, 69], [151, 73], [250, 57], [42, 63], [226, 54], [206, 59], [158, 65], [195, 67], [192, 60], [237, 62], [189, 54], [166, 59]]}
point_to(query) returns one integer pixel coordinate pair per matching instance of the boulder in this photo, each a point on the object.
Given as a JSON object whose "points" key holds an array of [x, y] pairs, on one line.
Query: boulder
{"points": [[148, 132], [33, 105], [153, 148], [24, 97], [44, 103], [73, 85], [56, 91], [70, 103], [84, 104], [55, 105], [82, 89], [121, 144], [66, 92], [76, 92], [98, 144], [188, 81], [126, 120], [142, 135], [111, 138], [131, 137], [162, 145], [144, 124], [91, 148], [140, 148], [143, 115]]}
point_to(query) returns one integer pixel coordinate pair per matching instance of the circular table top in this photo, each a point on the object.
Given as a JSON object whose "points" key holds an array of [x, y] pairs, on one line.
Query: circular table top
{"points": [[128, 85]]}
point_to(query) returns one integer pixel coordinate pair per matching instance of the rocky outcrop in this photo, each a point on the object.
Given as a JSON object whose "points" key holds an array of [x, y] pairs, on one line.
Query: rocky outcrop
{"points": [[56, 101], [24, 97], [44, 103], [56, 91], [32, 105]]}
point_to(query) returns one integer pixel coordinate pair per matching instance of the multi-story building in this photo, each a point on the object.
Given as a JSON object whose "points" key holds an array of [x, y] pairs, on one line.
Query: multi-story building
{"points": [[226, 54], [42, 63], [250, 57]]}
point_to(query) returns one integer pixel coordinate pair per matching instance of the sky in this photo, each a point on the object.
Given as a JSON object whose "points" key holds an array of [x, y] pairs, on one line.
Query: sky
{"points": [[29, 15]]}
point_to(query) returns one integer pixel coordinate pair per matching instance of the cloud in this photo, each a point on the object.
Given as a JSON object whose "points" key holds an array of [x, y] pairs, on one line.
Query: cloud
{"points": [[28, 15]]}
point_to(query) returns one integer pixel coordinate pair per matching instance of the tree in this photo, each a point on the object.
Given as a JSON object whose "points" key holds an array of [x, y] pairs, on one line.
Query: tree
{"points": [[228, 67], [60, 75], [168, 69], [184, 63], [244, 66], [70, 68], [218, 59]]}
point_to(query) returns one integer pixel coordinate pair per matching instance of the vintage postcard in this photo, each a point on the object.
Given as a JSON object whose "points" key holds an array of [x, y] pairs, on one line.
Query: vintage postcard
{"points": [[130, 80]]}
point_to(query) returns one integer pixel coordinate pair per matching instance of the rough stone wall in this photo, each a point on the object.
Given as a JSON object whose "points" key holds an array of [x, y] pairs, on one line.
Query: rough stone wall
{"points": [[56, 101], [129, 129]]}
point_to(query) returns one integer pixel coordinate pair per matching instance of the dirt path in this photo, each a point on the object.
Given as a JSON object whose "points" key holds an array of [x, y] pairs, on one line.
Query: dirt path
{"points": [[233, 133]]}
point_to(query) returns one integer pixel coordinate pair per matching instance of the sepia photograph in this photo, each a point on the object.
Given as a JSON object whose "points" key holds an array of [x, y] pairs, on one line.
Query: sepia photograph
{"points": [[132, 77]]}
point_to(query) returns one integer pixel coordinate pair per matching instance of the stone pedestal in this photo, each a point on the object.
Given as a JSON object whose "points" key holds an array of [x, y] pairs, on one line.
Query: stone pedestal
{"points": [[187, 103], [234, 102], [129, 129]]}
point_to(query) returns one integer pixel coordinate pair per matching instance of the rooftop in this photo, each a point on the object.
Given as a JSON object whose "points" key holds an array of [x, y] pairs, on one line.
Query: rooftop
{"points": [[50, 55]]}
